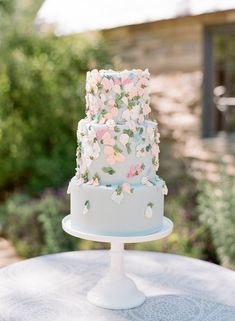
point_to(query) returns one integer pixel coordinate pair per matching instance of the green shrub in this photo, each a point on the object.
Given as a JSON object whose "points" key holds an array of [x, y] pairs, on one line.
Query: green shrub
{"points": [[42, 82], [34, 225], [216, 206]]}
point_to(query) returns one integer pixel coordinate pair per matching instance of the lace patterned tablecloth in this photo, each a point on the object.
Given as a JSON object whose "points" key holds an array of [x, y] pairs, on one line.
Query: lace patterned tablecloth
{"points": [[54, 287]]}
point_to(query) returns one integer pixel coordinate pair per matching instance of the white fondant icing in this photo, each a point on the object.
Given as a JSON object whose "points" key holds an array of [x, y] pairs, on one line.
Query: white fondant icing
{"points": [[123, 218]]}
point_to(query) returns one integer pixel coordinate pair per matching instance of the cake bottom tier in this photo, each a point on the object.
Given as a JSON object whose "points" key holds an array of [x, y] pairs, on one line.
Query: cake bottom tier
{"points": [[108, 210]]}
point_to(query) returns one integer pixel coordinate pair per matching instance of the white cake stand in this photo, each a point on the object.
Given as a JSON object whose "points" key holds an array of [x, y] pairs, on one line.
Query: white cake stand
{"points": [[116, 290]]}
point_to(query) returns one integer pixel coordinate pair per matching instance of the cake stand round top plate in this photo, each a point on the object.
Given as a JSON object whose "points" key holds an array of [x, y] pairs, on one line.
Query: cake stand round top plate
{"points": [[167, 227]]}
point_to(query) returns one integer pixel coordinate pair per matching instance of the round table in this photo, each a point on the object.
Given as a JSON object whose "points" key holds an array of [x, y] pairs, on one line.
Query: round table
{"points": [[54, 288]]}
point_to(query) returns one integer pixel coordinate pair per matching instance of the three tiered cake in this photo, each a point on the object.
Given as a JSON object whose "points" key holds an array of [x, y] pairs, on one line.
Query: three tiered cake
{"points": [[116, 190]]}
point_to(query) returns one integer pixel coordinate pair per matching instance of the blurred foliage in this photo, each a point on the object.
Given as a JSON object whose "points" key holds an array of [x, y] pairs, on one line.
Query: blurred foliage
{"points": [[34, 225], [216, 206], [41, 99]]}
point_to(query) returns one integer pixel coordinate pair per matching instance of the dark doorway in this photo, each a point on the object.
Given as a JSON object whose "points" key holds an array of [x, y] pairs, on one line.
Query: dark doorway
{"points": [[219, 80]]}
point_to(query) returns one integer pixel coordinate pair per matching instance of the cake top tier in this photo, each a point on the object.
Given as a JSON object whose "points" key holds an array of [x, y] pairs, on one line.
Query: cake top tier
{"points": [[122, 96]]}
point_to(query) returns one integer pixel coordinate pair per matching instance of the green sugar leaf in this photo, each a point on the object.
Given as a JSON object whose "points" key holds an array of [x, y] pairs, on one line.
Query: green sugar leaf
{"points": [[140, 129], [128, 132], [87, 204], [117, 149], [108, 170], [142, 166], [128, 148]]}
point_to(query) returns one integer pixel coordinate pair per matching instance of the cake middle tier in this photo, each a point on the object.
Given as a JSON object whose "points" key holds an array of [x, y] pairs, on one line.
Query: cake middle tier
{"points": [[113, 154]]}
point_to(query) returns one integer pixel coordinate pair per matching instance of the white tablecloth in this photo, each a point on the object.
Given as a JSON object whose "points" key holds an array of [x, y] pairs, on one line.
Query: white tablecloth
{"points": [[54, 287]]}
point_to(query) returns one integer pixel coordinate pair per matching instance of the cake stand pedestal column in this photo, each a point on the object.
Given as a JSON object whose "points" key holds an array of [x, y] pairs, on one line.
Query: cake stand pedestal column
{"points": [[116, 290]]}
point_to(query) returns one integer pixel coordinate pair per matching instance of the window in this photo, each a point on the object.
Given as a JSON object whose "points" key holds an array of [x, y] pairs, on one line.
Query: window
{"points": [[219, 80]]}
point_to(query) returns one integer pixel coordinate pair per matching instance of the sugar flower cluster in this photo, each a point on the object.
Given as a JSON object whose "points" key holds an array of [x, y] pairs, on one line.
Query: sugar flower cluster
{"points": [[122, 96]]}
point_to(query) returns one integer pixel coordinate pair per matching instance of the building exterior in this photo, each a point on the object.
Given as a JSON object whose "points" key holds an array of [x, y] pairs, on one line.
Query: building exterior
{"points": [[189, 49], [188, 58]]}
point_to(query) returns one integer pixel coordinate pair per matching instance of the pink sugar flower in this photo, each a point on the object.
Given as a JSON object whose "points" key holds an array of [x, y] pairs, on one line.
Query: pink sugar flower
{"points": [[117, 89], [114, 112], [89, 114], [134, 171], [131, 125], [132, 93], [107, 83], [126, 188], [140, 91], [111, 103], [109, 152], [117, 82], [141, 118], [146, 109], [101, 132], [124, 138], [126, 81], [131, 172], [139, 87], [155, 149], [103, 97], [112, 155], [107, 116], [108, 139], [95, 75], [95, 106], [119, 157]]}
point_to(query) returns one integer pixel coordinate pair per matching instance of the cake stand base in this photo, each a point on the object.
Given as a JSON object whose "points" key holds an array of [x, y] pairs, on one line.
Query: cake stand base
{"points": [[116, 290]]}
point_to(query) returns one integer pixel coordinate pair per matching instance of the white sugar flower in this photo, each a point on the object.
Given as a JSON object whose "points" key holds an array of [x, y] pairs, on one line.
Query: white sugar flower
{"points": [[150, 132], [87, 206], [96, 150], [69, 188], [80, 181], [91, 134], [140, 150], [116, 89], [88, 161], [124, 138], [145, 181], [165, 189], [125, 100], [117, 197], [149, 212], [126, 114], [135, 112], [111, 124]]}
